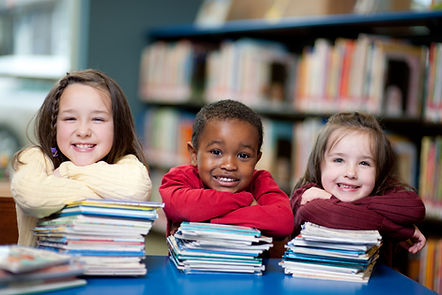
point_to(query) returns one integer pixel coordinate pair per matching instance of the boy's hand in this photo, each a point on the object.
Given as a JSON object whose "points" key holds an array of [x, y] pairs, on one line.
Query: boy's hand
{"points": [[314, 193], [415, 243]]}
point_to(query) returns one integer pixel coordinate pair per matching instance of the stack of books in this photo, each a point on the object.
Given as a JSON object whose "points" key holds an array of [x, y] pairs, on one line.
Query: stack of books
{"points": [[213, 248], [29, 270], [335, 254], [108, 235]]}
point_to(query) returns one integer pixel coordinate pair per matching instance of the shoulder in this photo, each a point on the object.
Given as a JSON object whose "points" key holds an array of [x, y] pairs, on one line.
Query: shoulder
{"points": [[186, 169], [128, 158], [183, 171], [32, 154], [261, 174], [182, 174]]}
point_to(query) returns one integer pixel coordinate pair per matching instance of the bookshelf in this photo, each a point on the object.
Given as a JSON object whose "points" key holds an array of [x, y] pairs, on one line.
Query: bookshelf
{"points": [[8, 220], [296, 36]]}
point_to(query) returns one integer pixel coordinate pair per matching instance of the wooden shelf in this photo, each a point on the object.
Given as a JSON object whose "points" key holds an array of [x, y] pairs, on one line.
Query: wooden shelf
{"points": [[8, 218], [421, 26]]}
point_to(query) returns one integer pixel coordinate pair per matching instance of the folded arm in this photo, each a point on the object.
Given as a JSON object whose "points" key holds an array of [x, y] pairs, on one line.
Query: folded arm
{"points": [[384, 213], [272, 214], [128, 179], [185, 198], [38, 192]]}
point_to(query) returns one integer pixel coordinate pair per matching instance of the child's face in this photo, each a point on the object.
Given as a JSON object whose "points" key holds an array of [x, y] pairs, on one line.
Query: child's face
{"points": [[226, 155], [85, 126], [348, 169]]}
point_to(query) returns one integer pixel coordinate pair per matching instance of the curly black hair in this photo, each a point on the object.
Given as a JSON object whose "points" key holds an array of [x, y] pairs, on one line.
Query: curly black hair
{"points": [[226, 109]]}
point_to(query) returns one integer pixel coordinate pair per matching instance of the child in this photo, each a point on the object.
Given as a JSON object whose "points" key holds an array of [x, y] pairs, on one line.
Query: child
{"points": [[349, 184], [87, 148], [221, 185]]}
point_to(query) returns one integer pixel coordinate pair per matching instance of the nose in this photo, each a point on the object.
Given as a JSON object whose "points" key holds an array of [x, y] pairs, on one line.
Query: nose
{"points": [[350, 171], [84, 130], [229, 163]]}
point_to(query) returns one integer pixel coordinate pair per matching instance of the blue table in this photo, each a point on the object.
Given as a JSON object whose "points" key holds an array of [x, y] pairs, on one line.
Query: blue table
{"points": [[163, 278]]}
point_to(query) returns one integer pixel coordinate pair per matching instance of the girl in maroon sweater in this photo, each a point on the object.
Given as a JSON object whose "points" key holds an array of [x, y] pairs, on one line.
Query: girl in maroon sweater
{"points": [[222, 185], [349, 184]]}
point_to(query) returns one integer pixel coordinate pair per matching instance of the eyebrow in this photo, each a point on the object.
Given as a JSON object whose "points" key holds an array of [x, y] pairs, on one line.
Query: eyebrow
{"points": [[342, 154], [93, 112], [222, 143]]}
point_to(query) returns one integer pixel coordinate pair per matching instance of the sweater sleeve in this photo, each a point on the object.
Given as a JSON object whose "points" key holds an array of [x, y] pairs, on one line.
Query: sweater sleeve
{"points": [[368, 213], [38, 192], [295, 203], [128, 179], [185, 198], [272, 215], [398, 205]]}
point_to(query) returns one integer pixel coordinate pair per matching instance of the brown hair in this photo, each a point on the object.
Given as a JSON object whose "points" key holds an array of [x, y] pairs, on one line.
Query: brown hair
{"points": [[380, 145], [125, 138]]}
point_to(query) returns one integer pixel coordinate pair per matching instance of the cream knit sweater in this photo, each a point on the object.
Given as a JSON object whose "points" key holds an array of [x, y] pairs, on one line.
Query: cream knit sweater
{"points": [[38, 192]]}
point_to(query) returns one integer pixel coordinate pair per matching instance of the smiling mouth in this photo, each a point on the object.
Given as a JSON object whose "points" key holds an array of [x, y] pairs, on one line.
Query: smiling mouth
{"points": [[224, 179], [84, 146], [347, 186]]}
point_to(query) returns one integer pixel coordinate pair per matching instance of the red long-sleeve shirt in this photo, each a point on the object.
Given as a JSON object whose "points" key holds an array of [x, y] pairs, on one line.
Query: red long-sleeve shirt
{"points": [[393, 213], [186, 199]]}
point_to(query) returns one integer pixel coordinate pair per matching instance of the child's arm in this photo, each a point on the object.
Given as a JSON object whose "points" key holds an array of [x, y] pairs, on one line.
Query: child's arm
{"points": [[314, 193], [416, 242], [399, 205], [186, 199], [359, 214], [38, 192], [272, 215], [128, 179]]}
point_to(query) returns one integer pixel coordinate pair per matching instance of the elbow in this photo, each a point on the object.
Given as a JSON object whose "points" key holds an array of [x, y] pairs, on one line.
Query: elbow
{"points": [[284, 226], [421, 213]]}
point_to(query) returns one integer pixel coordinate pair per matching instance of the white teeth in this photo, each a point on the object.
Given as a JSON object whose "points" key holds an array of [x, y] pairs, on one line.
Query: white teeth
{"points": [[226, 179], [84, 146], [347, 186]]}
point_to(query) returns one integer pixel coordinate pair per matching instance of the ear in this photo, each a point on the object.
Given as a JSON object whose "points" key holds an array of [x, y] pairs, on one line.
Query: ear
{"points": [[193, 153], [259, 157]]}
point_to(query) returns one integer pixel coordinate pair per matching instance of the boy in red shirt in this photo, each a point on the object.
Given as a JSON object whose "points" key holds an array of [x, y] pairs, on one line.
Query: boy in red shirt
{"points": [[222, 185]]}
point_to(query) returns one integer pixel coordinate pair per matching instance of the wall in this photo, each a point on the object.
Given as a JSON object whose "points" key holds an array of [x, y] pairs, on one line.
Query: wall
{"points": [[117, 34]]}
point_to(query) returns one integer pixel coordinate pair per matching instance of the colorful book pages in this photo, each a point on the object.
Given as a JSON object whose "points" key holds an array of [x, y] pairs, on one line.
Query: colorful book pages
{"points": [[109, 231], [335, 254], [213, 248]]}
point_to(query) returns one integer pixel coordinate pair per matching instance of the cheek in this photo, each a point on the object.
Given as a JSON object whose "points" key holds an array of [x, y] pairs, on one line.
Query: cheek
{"points": [[61, 134]]}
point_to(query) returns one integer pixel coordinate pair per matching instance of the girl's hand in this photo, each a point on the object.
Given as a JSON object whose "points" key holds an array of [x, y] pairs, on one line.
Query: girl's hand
{"points": [[415, 243], [314, 193]]}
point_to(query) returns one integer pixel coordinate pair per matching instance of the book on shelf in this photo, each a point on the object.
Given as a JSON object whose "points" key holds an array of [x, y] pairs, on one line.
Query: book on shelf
{"points": [[26, 270], [173, 71], [407, 156], [430, 186], [335, 254], [213, 248], [109, 231], [430, 265], [433, 88], [166, 132]]}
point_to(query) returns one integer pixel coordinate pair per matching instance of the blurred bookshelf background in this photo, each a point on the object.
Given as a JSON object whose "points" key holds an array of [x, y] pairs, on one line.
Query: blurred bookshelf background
{"points": [[294, 62]]}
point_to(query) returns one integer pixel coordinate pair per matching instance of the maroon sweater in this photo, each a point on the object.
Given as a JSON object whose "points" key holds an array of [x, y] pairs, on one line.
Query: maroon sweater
{"points": [[186, 199], [393, 214]]}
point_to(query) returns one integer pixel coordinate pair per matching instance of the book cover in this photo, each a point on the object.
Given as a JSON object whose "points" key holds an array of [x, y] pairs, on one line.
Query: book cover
{"points": [[17, 259]]}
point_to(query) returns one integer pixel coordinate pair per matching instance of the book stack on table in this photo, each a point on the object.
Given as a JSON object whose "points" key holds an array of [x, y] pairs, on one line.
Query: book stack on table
{"points": [[29, 270], [107, 235], [213, 248], [335, 254]]}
